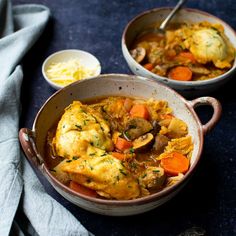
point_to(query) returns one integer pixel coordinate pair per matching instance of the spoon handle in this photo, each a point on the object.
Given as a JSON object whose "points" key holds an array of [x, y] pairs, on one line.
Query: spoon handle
{"points": [[172, 13]]}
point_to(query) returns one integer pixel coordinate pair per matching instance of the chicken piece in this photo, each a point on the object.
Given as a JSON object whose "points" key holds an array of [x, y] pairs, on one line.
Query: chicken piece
{"points": [[174, 179], [101, 172], [152, 177], [210, 45], [115, 113], [156, 54], [80, 126]]}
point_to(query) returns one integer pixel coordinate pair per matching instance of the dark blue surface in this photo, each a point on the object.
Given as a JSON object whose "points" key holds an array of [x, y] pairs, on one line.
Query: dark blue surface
{"points": [[209, 199]]}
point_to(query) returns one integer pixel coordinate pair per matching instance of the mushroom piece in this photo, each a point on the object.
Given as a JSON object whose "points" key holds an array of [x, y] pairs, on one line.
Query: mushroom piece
{"points": [[138, 54], [136, 127], [197, 69], [161, 142], [156, 127], [143, 142]]}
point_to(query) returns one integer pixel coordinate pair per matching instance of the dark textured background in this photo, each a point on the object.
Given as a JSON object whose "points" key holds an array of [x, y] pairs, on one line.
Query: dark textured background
{"points": [[209, 199]]}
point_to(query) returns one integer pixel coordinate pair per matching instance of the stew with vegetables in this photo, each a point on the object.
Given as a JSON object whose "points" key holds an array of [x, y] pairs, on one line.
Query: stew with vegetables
{"points": [[119, 147], [187, 52]]}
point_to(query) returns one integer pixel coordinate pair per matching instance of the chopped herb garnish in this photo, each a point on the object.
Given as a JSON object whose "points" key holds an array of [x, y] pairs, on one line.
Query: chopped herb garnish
{"points": [[156, 171], [108, 160], [85, 123], [144, 175], [92, 154], [81, 110], [131, 150], [118, 177], [127, 134], [122, 172], [104, 154], [74, 158], [133, 165], [122, 163], [97, 143], [91, 168], [63, 126], [79, 127], [69, 161]]}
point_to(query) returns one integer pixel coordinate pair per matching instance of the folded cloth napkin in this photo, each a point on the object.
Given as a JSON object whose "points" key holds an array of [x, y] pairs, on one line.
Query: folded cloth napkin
{"points": [[20, 27]]}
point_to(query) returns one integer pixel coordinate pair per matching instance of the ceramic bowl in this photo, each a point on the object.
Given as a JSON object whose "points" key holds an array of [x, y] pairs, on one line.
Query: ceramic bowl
{"points": [[86, 59], [190, 88], [33, 141]]}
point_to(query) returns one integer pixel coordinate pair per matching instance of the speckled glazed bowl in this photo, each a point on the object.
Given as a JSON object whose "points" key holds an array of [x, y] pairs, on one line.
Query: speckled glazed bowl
{"points": [[189, 88], [33, 141]]}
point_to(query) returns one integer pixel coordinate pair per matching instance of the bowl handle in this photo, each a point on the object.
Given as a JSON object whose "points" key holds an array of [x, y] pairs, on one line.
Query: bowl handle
{"points": [[27, 140], [217, 110]]}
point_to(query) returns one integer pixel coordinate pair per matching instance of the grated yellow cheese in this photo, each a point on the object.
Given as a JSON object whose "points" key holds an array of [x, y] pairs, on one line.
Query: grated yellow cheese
{"points": [[64, 73]]}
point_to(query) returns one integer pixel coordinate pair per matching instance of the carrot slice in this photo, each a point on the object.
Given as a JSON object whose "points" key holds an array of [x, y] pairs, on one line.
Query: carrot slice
{"points": [[186, 55], [122, 156], [174, 163], [148, 66], [182, 73], [118, 155], [139, 110], [81, 189], [123, 144]]}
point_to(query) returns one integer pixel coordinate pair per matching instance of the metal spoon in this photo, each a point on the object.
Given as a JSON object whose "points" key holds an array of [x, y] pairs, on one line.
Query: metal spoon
{"points": [[161, 28], [139, 53]]}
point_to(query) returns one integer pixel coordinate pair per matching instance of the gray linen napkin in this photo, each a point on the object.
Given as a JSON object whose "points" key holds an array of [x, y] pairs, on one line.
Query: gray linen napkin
{"points": [[20, 27]]}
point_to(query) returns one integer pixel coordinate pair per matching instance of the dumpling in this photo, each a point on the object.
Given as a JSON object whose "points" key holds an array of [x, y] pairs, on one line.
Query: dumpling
{"points": [[80, 126], [209, 45], [101, 172]]}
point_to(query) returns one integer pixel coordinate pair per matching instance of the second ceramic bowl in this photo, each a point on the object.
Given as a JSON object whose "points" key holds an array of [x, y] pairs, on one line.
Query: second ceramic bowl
{"points": [[189, 88]]}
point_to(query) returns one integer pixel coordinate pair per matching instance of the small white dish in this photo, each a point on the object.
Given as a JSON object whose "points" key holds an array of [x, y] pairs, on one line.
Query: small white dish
{"points": [[87, 60]]}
